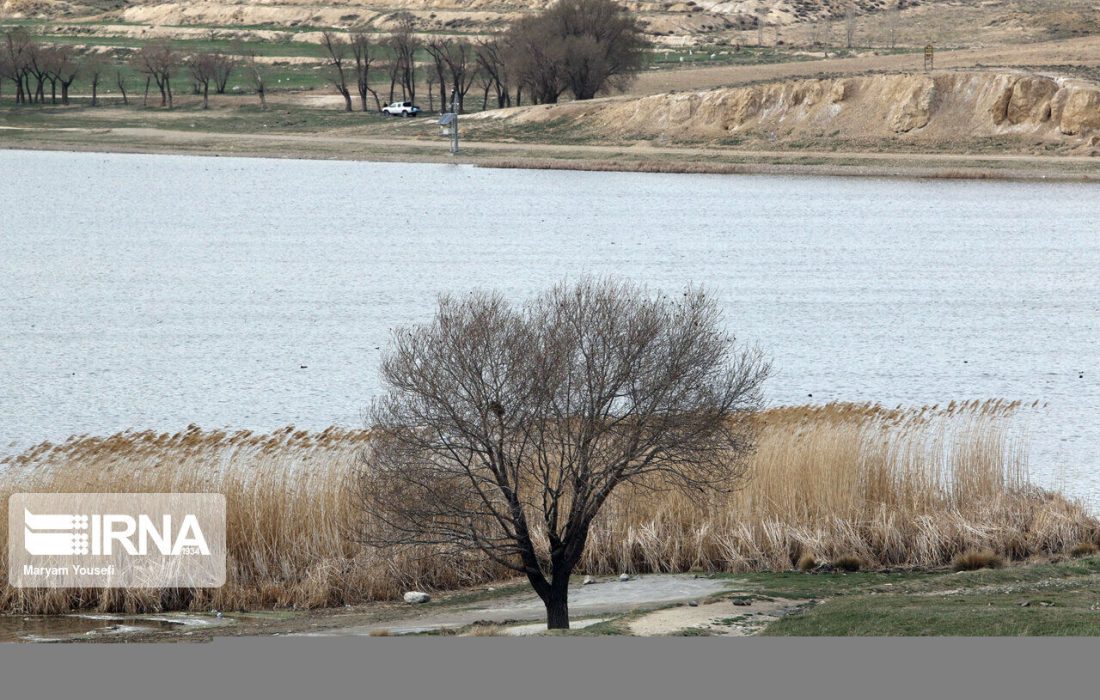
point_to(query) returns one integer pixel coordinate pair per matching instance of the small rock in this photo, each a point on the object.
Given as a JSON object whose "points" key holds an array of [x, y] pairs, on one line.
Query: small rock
{"points": [[624, 577], [417, 597], [1025, 604], [588, 580], [693, 603]]}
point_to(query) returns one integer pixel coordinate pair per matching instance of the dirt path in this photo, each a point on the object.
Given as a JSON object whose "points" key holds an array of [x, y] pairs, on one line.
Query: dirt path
{"points": [[599, 600], [717, 619], [1082, 52]]}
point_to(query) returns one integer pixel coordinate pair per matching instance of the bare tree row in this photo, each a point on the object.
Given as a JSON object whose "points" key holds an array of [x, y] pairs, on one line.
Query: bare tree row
{"points": [[34, 68], [579, 47]]}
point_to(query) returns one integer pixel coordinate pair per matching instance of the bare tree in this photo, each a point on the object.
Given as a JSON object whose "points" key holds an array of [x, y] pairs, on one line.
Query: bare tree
{"points": [[223, 65], [158, 63], [93, 67], [536, 62], [404, 44], [36, 63], [203, 67], [120, 82], [893, 16], [255, 74], [438, 71], [490, 57], [14, 57], [504, 430], [585, 46], [429, 81], [458, 59], [365, 55], [337, 50], [850, 23]]}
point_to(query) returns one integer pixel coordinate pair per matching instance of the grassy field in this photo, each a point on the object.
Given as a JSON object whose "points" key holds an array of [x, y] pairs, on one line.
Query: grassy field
{"points": [[1055, 597], [1059, 598]]}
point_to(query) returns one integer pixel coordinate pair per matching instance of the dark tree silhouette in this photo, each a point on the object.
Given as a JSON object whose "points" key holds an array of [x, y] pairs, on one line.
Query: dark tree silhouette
{"points": [[504, 430], [337, 50], [583, 46]]}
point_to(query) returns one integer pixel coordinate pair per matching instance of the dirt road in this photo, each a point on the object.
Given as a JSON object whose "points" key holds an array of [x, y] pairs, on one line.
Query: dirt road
{"points": [[1082, 52], [596, 601]]}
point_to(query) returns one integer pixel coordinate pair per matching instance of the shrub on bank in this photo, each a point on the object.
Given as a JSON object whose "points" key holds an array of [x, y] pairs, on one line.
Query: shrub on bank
{"points": [[972, 561], [893, 488]]}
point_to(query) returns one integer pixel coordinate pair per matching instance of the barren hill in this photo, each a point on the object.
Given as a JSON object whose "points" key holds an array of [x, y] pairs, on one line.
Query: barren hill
{"points": [[684, 19], [954, 110]]}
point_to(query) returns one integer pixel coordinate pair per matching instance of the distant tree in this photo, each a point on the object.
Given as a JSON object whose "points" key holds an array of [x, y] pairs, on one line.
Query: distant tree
{"points": [[120, 82], [203, 68], [37, 64], [485, 82], [584, 46], [365, 55], [490, 57], [850, 23], [223, 65], [503, 431], [537, 62], [336, 49], [438, 71], [893, 17], [404, 44], [158, 62], [14, 56], [429, 81], [255, 74], [458, 59], [93, 68]]}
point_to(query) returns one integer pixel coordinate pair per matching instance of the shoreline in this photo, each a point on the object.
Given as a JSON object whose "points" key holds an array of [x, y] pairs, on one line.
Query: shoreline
{"points": [[579, 157]]}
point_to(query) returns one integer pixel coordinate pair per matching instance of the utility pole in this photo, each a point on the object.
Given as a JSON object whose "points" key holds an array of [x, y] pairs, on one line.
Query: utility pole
{"points": [[454, 123]]}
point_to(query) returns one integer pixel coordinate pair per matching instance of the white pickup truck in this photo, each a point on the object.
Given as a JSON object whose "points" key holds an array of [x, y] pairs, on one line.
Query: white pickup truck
{"points": [[401, 109]]}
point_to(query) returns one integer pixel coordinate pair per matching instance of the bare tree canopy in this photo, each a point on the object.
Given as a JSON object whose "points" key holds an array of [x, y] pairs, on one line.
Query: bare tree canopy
{"points": [[203, 67], [584, 46], [404, 45], [504, 430], [158, 62], [337, 50], [365, 54]]}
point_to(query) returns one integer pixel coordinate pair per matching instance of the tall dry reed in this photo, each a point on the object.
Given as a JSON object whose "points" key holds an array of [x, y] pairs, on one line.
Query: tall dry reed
{"points": [[895, 487]]}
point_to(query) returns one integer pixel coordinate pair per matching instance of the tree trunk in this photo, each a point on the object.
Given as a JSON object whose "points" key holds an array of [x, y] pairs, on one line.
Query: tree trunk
{"points": [[205, 96], [557, 609]]}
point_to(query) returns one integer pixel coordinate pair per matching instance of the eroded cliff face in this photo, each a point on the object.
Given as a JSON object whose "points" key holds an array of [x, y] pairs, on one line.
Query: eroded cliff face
{"points": [[947, 107]]}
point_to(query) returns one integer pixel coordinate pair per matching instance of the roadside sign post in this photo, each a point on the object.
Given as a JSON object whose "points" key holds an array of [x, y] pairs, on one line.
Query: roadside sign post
{"points": [[448, 123]]}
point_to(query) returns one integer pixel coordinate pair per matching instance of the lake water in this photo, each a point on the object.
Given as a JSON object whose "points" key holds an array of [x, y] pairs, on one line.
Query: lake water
{"points": [[158, 291]]}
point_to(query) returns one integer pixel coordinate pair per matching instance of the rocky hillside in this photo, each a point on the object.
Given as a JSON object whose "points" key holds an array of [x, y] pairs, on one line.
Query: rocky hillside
{"points": [[662, 17], [946, 108]]}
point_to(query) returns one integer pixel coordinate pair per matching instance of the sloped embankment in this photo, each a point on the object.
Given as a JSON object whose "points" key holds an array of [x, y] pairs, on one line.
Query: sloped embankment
{"points": [[943, 107]]}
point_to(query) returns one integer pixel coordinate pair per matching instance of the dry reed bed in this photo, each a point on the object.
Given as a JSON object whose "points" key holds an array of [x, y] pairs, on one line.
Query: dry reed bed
{"points": [[895, 487]]}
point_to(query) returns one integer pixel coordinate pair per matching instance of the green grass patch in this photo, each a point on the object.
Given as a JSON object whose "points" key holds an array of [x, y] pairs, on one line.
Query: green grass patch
{"points": [[1058, 598]]}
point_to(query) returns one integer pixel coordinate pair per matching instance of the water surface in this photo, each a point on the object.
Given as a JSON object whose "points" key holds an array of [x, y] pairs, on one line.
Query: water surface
{"points": [[141, 291]]}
